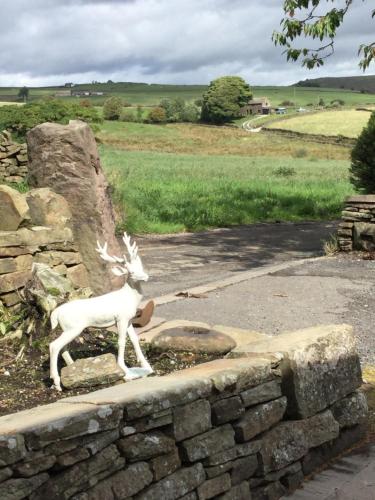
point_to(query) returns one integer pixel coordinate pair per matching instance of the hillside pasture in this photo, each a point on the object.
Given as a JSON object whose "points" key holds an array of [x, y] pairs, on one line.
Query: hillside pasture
{"points": [[150, 94], [348, 123], [195, 139]]}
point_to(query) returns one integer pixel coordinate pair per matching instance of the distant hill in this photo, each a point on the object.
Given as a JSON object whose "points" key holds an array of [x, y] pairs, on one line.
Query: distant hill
{"points": [[356, 83]]}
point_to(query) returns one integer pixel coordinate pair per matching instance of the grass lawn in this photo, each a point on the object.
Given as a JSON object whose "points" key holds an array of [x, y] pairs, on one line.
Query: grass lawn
{"points": [[348, 123], [167, 192]]}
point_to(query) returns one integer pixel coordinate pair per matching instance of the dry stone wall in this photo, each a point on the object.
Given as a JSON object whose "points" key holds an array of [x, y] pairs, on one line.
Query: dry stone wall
{"points": [[13, 159], [356, 231], [227, 429], [35, 227]]}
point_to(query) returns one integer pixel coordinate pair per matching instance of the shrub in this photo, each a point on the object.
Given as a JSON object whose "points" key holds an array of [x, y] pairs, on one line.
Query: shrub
{"points": [[287, 103], [300, 153], [362, 169], [112, 108], [85, 103], [176, 110], [157, 115], [128, 116], [285, 171], [20, 119]]}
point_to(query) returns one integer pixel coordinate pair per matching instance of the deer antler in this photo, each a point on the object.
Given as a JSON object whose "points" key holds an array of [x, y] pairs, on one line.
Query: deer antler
{"points": [[102, 250], [131, 248]]}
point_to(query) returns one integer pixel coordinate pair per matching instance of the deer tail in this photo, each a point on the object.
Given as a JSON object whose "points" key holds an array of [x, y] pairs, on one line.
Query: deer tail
{"points": [[54, 319]]}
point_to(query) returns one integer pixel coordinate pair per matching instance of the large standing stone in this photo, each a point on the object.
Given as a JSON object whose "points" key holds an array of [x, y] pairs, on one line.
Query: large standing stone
{"points": [[65, 158], [320, 365], [48, 208], [13, 209]]}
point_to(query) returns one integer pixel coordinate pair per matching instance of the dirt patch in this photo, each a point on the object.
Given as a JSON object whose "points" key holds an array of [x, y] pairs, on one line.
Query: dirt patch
{"points": [[25, 383]]}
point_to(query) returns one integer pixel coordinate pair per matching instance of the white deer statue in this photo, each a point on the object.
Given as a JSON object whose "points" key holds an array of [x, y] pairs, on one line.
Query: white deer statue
{"points": [[114, 308]]}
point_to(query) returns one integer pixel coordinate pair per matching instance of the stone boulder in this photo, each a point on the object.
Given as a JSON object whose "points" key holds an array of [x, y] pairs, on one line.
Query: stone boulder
{"points": [[89, 372], [47, 288], [193, 339], [319, 365], [13, 209], [48, 208], [65, 158]]}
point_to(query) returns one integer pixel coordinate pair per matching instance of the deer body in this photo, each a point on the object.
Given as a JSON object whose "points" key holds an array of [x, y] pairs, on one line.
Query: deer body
{"points": [[114, 308]]}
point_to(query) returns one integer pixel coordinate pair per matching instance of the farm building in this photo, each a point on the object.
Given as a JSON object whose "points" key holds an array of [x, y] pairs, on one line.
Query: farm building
{"points": [[63, 93], [260, 106]]}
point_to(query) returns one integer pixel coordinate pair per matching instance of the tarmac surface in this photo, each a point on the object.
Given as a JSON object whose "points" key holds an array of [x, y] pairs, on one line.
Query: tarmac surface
{"points": [[265, 278]]}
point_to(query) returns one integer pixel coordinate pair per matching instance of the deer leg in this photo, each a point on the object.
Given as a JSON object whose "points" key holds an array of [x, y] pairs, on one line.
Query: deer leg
{"points": [[122, 327], [54, 349], [138, 351]]}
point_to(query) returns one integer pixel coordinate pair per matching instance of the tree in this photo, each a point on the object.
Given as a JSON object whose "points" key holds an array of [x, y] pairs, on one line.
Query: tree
{"points": [[362, 169], [112, 108], [313, 19], [23, 93], [224, 99]]}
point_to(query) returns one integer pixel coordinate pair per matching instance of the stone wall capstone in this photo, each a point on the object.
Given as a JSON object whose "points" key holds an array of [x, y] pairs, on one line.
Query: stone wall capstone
{"points": [[356, 231], [65, 158], [13, 159], [217, 430]]}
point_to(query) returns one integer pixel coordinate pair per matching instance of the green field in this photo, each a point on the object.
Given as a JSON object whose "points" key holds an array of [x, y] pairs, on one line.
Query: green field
{"points": [[188, 177], [150, 95], [348, 123], [161, 192]]}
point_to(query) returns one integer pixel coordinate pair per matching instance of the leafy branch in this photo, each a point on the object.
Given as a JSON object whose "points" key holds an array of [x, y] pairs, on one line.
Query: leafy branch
{"points": [[302, 20]]}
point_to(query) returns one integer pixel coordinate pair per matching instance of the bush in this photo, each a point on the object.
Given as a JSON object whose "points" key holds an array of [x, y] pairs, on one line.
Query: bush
{"points": [[362, 169], [176, 110], [85, 103], [128, 116], [285, 171], [112, 108], [20, 119], [287, 103], [157, 115]]}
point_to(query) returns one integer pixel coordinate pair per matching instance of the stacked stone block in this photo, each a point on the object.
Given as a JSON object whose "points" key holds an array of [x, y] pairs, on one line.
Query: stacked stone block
{"points": [[224, 429], [35, 227], [13, 159], [356, 231]]}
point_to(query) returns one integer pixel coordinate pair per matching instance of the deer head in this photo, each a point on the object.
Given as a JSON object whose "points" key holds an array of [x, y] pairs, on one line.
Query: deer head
{"points": [[133, 267]]}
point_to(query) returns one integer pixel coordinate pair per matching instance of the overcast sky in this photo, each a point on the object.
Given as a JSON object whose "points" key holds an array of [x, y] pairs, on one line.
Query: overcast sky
{"points": [[49, 42]]}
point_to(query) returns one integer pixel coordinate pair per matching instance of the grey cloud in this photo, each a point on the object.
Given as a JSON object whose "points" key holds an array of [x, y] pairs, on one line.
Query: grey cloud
{"points": [[183, 41]]}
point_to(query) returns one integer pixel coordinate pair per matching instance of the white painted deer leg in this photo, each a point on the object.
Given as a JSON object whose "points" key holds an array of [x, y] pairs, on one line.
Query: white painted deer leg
{"points": [[54, 349], [122, 329], [67, 357], [138, 351]]}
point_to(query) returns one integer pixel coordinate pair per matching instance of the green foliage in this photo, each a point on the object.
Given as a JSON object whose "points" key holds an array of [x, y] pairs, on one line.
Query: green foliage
{"points": [[23, 93], [20, 119], [177, 110], [362, 169], [224, 98], [128, 116], [316, 25], [285, 171], [157, 115], [112, 108]]}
